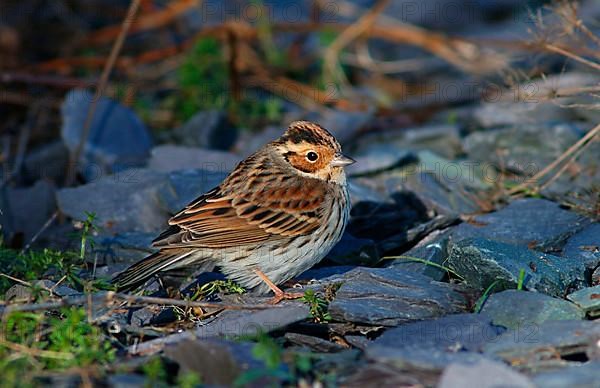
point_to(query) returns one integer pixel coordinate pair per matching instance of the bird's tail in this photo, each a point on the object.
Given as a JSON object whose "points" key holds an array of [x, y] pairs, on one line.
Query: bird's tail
{"points": [[140, 272]]}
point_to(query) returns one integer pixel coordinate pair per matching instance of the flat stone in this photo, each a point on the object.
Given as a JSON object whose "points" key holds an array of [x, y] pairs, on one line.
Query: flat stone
{"points": [[532, 344], [513, 308], [377, 157], [59, 290], [436, 192], [389, 297], [208, 129], [585, 245], [327, 273], [127, 247], [530, 222], [360, 192], [185, 186], [169, 157], [354, 251], [117, 139], [344, 125], [124, 202], [588, 299], [233, 324], [48, 162], [482, 262], [314, 343], [484, 374], [219, 362], [579, 376], [436, 343], [25, 210], [442, 139], [433, 248], [532, 111], [122, 380]]}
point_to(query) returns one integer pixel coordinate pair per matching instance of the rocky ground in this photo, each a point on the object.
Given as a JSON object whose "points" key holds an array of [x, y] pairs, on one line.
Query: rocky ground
{"points": [[462, 264]]}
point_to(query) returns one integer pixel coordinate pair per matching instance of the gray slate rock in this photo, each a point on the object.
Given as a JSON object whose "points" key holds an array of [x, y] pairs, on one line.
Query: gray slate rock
{"points": [[117, 139], [588, 299], [443, 140], [483, 374], [433, 248], [219, 362], [390, 296], [481, 262], [522, 148], [377, 157], [585, 245], [351, 250], [434, 344], [513, 309], [234, 324], [575, 376], [124, 202], [208, 129], [49, 161], [444, 196], [169, 157], [124, 247], [184, 186], [530, 222], [122, 380], [314, 343], [531, 344], [26, 210]]}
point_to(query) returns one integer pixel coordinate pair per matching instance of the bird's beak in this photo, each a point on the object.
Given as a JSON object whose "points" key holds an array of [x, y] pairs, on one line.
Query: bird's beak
{"points": [[341, 160]]}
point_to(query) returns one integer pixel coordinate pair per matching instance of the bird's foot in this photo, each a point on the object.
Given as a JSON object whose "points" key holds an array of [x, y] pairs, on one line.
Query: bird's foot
{"points": [[279, 294], [282, 295]]}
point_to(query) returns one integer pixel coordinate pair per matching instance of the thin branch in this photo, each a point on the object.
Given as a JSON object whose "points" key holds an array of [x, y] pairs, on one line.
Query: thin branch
{"points": [[111, 297], [35, 352], [347, 36], [116, 49], [567, 154]]}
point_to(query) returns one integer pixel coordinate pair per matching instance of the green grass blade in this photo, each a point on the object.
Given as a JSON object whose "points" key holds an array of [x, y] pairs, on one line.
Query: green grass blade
{"points": [[427, 262], [483, 298]]}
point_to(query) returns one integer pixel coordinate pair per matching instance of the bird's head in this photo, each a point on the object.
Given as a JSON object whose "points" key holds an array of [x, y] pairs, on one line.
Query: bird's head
{"points": [[310, 150]]}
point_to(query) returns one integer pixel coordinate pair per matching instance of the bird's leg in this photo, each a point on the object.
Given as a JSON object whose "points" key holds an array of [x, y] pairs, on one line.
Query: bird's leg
{"points": [[279, 294]]}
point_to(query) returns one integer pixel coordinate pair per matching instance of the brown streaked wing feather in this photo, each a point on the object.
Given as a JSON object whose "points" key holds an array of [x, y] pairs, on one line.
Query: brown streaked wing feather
{"points": [[290, 207], [209, 222], [248, 211]]}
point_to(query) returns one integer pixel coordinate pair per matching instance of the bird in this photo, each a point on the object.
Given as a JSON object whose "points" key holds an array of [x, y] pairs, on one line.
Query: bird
{"points": [[277, 214]]}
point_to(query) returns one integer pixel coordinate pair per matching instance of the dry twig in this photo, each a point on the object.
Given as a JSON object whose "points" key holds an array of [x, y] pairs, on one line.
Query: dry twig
{"points": [[125, 26]]}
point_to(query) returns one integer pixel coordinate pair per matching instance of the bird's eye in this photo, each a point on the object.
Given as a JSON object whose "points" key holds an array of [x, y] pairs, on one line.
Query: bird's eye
{"points": [[312, 156]]}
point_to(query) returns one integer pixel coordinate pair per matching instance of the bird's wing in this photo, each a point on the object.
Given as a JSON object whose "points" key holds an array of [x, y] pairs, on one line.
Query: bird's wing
{"points": [[248, 211]]}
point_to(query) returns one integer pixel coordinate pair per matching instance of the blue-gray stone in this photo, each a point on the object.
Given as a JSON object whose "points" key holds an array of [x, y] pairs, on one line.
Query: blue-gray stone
{"points": [[208, 129], [128, 247], [169, 157], [434, 344], [513, 308], [434, 249], [482, 262], [535, 342], [186, 185], [483, 374], [575, 376], [354, 251], [124, 202], [588, 299], [524, 147], [117, 139], [530, 222], [390, 296], [585, 245]]}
